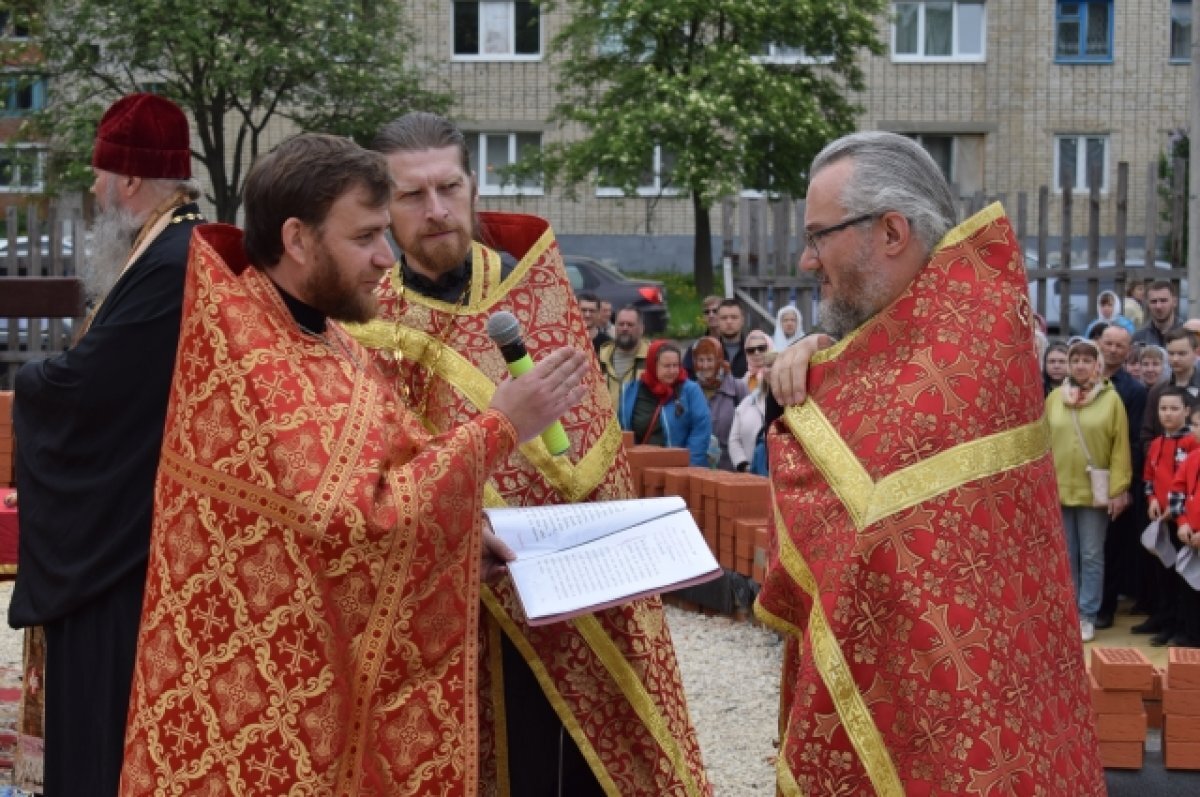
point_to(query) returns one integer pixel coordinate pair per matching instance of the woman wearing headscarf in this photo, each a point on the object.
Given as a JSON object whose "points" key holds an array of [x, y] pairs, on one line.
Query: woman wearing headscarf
{"points": [[665, 408], [757, 346], [789, 327], [722, 390]]}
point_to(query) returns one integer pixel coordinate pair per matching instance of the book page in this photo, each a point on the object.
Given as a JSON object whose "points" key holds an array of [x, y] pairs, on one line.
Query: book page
{"points": [[535, 530], [646, 558]]}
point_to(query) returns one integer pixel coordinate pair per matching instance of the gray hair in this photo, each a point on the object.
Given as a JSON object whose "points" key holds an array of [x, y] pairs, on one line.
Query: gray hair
{"points": [[418, 131], [893, 172], [165, 187]]}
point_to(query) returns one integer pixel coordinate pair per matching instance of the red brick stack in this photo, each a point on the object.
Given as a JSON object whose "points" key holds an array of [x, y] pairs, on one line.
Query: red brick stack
{"points": [[743, 508], [1119, 677], [642, 458], [1152, 700], [7, 444], [1181, 709]]}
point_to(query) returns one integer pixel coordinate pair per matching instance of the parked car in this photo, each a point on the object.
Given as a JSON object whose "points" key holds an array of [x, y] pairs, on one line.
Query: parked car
{"points": [[609, 284], [1082, 311]]}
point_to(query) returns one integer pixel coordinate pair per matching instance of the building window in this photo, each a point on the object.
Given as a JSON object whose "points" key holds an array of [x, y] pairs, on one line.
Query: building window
{"points": [[13, 26], [22, 169], [782, 54], [1074, 156], [655, 179], [939, 31], [23, 95], [494, 152], [1181, 31], [1083, 31], [959, 156], [496, 30]]}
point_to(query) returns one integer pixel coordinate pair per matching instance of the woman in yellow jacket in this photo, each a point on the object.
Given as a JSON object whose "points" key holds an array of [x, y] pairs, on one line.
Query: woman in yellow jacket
{"points": [[1086, 409]]}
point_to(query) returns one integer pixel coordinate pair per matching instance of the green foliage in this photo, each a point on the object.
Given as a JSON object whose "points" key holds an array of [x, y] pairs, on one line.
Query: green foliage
{"points": [[684, 302], [334, 66], [1175, 247], [687, 75]]}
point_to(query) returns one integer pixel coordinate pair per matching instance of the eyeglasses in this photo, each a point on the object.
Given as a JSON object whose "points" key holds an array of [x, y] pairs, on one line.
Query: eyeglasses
{"points": [[756, 350], [812, 236]]}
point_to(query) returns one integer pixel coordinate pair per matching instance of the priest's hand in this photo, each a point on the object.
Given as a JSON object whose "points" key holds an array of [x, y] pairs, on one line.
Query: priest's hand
{"points": [[544, 394], [789, 374], [495, 555]]}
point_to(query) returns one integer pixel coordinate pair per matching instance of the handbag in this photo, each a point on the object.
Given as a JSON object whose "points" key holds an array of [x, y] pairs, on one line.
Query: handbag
{"points": [[1097, 476]]}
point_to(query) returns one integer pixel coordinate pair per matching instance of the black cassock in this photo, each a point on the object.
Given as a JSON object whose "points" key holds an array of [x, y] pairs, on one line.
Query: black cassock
{"points": [[89, 424]]}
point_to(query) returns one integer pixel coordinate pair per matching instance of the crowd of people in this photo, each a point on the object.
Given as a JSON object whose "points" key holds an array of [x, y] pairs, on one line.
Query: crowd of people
{"points": [[708, 398], [1123, 403]]}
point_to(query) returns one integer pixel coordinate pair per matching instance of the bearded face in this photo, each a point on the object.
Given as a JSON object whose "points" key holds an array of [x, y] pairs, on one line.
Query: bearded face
{"points": [[112, 233]]}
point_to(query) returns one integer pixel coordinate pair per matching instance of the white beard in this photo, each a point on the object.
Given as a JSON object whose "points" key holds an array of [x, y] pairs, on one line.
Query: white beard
{"points": [[113, 234]]}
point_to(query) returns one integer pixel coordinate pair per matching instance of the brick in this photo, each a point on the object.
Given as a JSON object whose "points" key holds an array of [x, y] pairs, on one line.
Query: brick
{"points": [[1183, 666], [1121, 727], [745, 565], [1122, 668], [657, 457], [711, 539], [1155, 691], [1181, 755], [758, 573], [675, 481], [744, 550], [711, 521], [653, 477], [743, 509], [6, 447], [627, 439], [1180, 701], [1121, 755], [1181, 728], [745, 487], [1106, 701], [1154, 714]]}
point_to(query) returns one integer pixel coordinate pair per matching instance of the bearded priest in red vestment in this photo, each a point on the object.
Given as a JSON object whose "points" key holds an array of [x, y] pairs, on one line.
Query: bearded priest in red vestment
{"points": [[920, 574], [310, 616], [601, 692]]}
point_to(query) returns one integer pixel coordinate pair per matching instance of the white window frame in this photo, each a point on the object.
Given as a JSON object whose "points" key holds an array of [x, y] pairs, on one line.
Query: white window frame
{"points": [[955, 56], [38, 185], [787, 56], [1187, 59], [512, 32], [655, 189], [1081, 186], [480, 158]]}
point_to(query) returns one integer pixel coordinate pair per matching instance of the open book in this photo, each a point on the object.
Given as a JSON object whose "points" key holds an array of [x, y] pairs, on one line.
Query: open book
{"points": [[577, 558]]}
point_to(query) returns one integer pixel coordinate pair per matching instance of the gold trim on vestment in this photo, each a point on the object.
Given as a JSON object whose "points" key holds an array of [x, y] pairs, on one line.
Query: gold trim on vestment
{"points": [[835, 674], [785, 781], [868, 502], [565, 715], [992, 213], [234, 491], [573, 482]]}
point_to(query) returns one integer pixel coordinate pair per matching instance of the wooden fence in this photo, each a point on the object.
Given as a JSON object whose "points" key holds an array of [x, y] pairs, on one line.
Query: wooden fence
{"points": [[766, 249], [40, 297]]}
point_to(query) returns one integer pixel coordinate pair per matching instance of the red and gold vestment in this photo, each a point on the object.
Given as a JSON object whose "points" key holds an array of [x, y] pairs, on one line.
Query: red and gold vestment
{"points": [[309, 625], [920, 575], [612, 676]]}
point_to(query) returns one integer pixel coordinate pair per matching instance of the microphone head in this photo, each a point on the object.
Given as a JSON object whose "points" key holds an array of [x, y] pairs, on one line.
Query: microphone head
{"points": [[503, 328]]}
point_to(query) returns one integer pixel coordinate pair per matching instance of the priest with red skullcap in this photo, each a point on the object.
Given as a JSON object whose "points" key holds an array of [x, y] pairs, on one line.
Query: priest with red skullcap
{"points": [[90, 421]]}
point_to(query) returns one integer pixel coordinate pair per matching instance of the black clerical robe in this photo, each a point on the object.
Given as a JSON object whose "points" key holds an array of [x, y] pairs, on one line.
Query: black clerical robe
{"points": [[89, 424]]}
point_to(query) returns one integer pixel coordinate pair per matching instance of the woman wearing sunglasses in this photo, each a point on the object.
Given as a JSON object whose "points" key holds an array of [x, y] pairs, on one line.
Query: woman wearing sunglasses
{"points": [[757, 346]]}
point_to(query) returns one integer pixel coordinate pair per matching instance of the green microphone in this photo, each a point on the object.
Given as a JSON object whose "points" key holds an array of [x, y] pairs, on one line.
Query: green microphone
{"points": [[505, 331]]}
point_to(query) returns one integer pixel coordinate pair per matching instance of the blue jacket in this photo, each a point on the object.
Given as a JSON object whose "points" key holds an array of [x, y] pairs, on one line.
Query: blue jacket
{"points": [[690, 430]]}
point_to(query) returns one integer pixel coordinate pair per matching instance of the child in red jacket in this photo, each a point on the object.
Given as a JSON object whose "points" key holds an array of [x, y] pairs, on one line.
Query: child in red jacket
{"points": [[1185, 510], [1166, 453]]}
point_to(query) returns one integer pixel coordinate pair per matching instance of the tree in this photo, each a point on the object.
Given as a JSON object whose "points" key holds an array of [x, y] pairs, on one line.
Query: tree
{"points": [[335, 66], [690, 77]]}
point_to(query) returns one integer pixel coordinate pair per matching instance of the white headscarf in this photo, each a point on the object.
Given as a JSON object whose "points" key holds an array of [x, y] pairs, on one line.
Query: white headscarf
{"points": [[781, 340]]}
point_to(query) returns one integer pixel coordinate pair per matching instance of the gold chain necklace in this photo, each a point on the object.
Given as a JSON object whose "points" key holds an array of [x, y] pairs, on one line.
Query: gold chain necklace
{"points": [[442, 336]]}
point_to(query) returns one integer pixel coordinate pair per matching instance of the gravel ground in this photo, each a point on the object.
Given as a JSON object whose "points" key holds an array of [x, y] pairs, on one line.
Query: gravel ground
{"points": [[731, 676]]}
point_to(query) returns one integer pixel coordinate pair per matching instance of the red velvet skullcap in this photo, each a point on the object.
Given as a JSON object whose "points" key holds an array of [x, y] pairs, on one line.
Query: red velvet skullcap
{"points": [[144, 135]]}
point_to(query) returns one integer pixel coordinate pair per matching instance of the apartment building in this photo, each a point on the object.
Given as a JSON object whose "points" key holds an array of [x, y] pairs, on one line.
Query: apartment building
{"points": [[22, 92], [1008, 95]]}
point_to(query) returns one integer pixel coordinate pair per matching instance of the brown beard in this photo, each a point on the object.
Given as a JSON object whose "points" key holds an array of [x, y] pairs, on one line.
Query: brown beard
{"points": [[328, 292]]}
